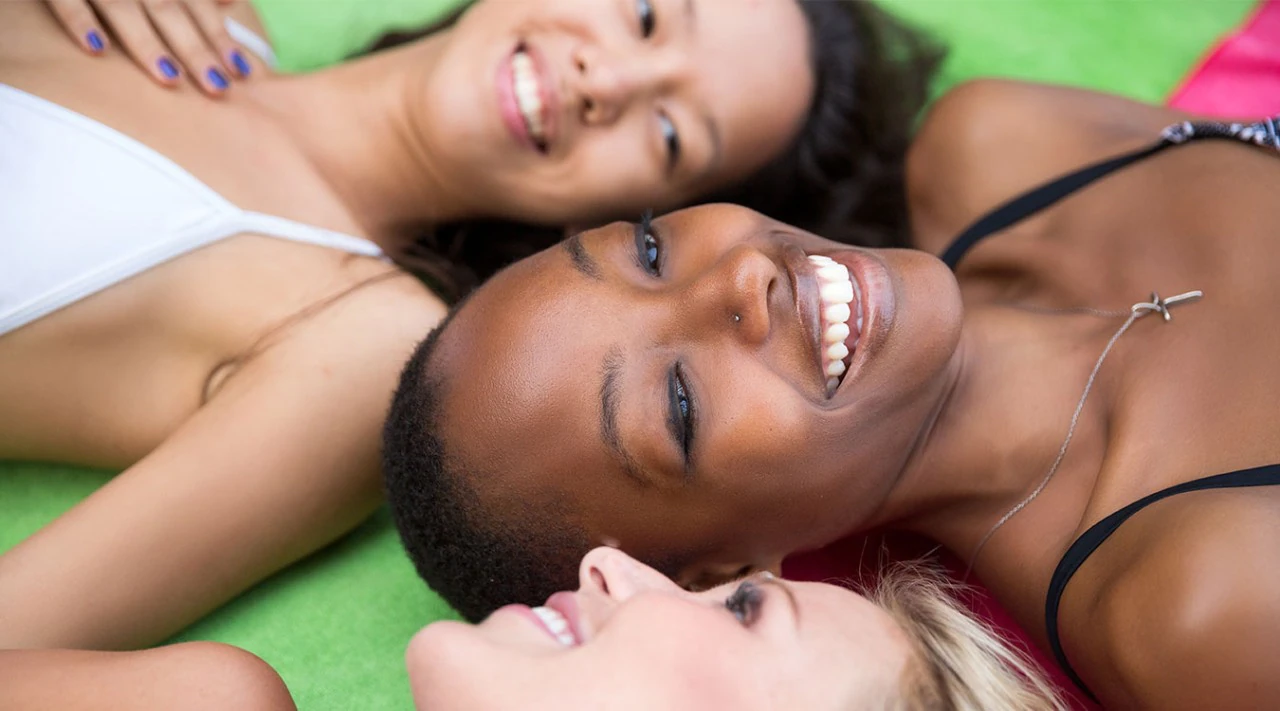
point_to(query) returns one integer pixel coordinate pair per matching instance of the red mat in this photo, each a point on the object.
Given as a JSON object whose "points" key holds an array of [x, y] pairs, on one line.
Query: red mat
{"points": [[1240, 77]]}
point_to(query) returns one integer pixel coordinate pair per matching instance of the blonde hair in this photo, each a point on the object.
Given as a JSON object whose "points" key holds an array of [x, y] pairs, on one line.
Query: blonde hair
{"points": [[961, 664]]}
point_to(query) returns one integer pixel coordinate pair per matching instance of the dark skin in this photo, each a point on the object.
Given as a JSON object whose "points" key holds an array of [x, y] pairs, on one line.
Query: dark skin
{"points": [[958, 398]]}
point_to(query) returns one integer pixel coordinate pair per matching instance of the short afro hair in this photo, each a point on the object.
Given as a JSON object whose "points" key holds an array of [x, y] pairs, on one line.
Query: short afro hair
{"points": [[477, 562]]}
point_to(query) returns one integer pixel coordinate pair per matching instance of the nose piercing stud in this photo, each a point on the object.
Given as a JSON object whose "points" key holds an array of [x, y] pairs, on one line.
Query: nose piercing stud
{"points": [[737, 318]]}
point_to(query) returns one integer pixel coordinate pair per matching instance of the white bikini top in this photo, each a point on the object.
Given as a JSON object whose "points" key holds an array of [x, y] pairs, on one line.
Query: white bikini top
{"points": [[84, 207]]}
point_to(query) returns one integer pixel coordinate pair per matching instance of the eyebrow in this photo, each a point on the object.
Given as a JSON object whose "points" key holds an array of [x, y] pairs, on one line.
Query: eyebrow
{"points": [[791, 596], [610, 371], [582, 259]]}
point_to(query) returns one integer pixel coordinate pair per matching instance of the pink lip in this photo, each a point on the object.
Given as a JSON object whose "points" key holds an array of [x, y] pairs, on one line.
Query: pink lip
{"points": [[566, 603], [507, 105], [526, 612], [510, 109]]}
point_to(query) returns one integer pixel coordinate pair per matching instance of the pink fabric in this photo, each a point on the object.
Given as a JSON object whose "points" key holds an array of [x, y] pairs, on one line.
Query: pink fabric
{"points": [[858, 558], [1241, 76]]}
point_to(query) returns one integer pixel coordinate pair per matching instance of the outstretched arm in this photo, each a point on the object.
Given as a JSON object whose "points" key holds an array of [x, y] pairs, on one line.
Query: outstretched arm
{"points": [[281, 461], [197, 676]]}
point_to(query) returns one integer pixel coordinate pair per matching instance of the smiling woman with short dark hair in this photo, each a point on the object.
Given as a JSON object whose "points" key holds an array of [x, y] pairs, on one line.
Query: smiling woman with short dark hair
{"points": [[1055, 398]]}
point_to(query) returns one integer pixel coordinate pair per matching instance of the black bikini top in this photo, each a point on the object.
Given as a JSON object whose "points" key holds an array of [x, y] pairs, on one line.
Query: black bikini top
{"points": [[1264, 133]]}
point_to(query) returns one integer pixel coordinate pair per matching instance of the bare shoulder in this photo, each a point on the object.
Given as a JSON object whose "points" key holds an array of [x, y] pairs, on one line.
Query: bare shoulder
{"points": [[988, 140], [340, 359], [371, 330], [1189, 616]]}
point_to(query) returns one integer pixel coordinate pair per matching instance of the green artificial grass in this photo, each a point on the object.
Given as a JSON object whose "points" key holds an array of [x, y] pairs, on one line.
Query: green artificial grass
{"points": [[1138, 48], [335, 625]]}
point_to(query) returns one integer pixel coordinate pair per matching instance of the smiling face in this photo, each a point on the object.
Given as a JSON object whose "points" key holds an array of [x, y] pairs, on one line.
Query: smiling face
{"points": [[669, 388], [630, 638], [578, 109]]}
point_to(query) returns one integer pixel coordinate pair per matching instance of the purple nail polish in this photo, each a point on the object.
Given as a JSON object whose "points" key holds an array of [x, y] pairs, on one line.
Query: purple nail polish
{"points": [[240, 63], [167, 68], [95, 41], [218, 81]]}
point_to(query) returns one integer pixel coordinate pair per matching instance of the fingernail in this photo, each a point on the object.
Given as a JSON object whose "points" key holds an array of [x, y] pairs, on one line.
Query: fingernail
{"points": [[240, 63], [167, 68], [95, 41], [218, 81]]}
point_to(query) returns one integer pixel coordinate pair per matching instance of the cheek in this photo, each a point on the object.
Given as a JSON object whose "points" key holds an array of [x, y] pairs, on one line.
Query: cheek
{"points": [[615, 171], [445, 662]]}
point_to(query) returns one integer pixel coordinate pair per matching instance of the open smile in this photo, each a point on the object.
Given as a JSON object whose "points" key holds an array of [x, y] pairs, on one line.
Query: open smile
{"points": [[527, 97], [838, 298]]}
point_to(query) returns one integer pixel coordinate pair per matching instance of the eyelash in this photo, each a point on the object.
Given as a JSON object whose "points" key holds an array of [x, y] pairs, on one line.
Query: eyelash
{"points": [[648, 246], [683, 409], [644, 9], [746, 603]]}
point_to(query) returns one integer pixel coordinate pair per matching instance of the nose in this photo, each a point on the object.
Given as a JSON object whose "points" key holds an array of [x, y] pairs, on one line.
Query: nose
{"points": [[735, 294], [608, 83], [615, 574]]}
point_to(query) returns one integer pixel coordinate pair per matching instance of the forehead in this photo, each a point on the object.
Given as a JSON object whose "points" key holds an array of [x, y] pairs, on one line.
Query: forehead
{"points": [[521, 362], [872, 649]]}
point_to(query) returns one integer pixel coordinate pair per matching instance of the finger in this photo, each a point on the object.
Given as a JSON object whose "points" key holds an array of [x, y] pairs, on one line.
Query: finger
{"points": [[134, 32], [78, 19], [209, 19], [179, 31]]}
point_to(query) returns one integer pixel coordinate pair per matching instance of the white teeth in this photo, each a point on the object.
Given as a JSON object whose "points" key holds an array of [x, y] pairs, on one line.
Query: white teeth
{"points": [[833, 272], [837, 292], [839, 299], [555, 622], [528, 93], [836, 313], [836, 333]]}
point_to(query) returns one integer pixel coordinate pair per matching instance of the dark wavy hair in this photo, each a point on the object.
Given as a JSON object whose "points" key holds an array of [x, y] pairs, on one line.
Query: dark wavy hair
{"points": [[842, 177]]}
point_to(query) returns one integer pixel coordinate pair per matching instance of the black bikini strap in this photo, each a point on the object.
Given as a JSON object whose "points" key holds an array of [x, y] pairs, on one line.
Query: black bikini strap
{"points": [[1087, 543], [1264, 133]]}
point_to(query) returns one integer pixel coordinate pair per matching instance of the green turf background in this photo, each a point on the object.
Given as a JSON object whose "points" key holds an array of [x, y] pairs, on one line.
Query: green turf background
{"points": [[335, 625]]}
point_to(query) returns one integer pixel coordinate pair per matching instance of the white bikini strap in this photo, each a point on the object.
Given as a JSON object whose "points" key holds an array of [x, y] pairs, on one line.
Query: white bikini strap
{"points": [[273, 226], [251, 41]]}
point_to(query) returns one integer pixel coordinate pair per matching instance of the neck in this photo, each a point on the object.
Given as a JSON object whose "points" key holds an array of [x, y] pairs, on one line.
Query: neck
{"points": [[360, 124], [999, 423]]}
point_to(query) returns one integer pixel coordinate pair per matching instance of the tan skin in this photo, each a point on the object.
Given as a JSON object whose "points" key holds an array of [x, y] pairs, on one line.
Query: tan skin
{"points": [[241, 388], [948, 420]]}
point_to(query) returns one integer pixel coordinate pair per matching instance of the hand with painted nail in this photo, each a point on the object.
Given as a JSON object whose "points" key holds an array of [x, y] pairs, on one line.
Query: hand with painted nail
{"points": [[166, 38]]}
